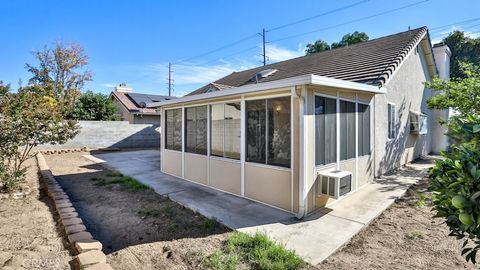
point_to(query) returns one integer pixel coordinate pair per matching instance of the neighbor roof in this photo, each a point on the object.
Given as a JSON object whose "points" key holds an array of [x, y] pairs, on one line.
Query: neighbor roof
{"points": [[139, 103], [370, 62]]}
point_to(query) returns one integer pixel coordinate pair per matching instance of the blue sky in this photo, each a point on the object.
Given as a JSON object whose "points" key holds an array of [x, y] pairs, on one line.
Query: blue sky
{"points": [[133, 41]]}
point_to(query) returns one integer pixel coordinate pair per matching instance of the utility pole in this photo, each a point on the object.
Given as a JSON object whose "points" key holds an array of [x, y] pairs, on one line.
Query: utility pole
{"points": [[263, 34], [169, 79]]}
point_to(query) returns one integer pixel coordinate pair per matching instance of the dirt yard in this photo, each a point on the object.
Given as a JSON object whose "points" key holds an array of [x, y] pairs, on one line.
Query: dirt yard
{"points": [[143, 230], [29, 235], [138, 228], [404, 237]]}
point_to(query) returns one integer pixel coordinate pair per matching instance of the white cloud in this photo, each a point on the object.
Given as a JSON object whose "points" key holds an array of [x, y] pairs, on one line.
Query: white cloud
{"points": [[189, 76], [109, 85], [439, 35], [276, 53]]}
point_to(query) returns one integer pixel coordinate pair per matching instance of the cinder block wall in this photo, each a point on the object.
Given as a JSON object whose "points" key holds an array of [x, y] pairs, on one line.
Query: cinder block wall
{"points": [[115, 134]]}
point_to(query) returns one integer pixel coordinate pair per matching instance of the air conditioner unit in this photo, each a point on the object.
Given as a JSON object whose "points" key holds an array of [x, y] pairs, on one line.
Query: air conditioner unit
{"points": [[334, 183]]}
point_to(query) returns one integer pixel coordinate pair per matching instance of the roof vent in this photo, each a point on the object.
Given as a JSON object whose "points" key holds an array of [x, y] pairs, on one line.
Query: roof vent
{"points": [[264, 73]]}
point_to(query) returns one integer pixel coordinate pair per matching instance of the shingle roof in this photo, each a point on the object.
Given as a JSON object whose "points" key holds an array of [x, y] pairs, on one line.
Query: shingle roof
{"points": [[209, 87], [133, 102], [370, 62]]}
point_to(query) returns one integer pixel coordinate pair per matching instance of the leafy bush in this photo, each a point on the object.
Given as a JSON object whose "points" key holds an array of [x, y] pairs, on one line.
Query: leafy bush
{"points": [[455, 183], [94, 106], [28, 119]]}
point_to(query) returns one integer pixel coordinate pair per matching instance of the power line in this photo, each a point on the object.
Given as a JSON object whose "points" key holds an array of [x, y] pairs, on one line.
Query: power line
{"points": [[353, 21], [434, 29], [319, 15], [217, 49]]}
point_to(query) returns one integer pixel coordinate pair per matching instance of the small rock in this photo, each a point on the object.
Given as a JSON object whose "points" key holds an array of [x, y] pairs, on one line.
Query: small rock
{"points": [[4, 258], [90, 258], [87, 245]]}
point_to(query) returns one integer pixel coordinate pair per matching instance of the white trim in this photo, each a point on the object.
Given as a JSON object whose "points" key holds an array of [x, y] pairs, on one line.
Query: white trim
{"points": [[183, 142], [242, 145], [252, 88], [302, 200], [337, 125], [206, 103], [225, 159], [268, 166], [172, 151], [292, 152], [356, 140], [209, 142], [268, 96]]}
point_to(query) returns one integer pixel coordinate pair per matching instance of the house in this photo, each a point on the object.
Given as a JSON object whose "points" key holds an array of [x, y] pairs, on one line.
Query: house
{"points": [[132, 107], [300, 134]]}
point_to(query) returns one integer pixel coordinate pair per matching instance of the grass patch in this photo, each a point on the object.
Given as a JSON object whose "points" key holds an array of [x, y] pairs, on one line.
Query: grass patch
{"points": [[166, 211], [115, 174], [118, 178], [256, 252]]}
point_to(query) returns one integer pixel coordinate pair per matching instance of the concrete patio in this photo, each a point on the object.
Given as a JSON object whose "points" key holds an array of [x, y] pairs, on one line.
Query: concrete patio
{"points": [[314, 238]]}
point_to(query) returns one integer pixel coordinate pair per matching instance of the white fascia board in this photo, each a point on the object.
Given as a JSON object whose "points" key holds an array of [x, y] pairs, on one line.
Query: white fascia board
{"points": [[299, 80]]}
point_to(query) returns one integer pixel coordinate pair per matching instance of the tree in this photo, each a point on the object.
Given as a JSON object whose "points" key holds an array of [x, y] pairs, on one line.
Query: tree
{"points": [[455, 181], [464, 49], [60, 71], [94, 106], [350, 39], [28, 119], [317, 46], [461, 94]]}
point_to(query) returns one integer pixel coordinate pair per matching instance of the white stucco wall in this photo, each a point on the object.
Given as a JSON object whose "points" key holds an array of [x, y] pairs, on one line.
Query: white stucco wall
{"points": [[406, 90]]}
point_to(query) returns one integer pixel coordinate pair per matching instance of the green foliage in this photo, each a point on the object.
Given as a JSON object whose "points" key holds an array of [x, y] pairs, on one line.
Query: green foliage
{"points": [[348, 39], [60, 71], [258, 252], [317, 46], [222, 261], [94, 106], [28, 119], [464, 49], [461, 94], [455, 183], [117, 178]]}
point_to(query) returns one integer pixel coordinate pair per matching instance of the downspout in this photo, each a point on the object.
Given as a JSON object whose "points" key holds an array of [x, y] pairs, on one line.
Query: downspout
{"points": [[301, 186]]}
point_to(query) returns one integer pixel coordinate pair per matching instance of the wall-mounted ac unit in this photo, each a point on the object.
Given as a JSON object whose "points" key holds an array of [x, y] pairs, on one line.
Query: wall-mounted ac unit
{"points": [[334, 183], [418, 123]]}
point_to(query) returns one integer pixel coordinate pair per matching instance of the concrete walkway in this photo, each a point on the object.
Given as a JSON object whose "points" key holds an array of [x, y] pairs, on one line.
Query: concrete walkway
{"points": [[314, 238]]}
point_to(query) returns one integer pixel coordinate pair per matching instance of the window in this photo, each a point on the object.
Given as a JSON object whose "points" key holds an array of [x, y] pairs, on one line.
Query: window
{"points": [[325, 130], [347, 130], [173, 129], [363, 129], [268, 131], [225, 130], [418, 123], [196, 130], [391, 121]]}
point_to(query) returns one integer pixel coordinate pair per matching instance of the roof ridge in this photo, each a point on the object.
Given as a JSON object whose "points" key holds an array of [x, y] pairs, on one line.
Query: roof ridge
{"points": [[333, 50], [402, 53]]}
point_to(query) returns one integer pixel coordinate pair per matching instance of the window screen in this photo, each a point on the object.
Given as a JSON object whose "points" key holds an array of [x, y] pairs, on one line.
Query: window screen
{"points": [[325, 130], [196, 130], [173, 129], [225, 130], [268, 131], [363, 129], [347, 130]]}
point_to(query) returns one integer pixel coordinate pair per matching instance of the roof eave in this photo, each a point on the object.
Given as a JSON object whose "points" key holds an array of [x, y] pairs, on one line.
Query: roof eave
{"points": [[309, 79]]}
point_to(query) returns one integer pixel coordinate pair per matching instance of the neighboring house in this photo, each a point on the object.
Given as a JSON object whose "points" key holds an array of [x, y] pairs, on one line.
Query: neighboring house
{"points": [[133, 107], [302, 133]]}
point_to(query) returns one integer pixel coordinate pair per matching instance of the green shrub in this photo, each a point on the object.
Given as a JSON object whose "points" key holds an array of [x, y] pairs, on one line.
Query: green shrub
{"points": [[257, 251], [455, 183]]}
